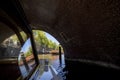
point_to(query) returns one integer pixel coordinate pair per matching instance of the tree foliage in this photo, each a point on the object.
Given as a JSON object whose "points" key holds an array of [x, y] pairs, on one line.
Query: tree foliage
{"points": [[29, 52], [43, 41], [15, 38]]}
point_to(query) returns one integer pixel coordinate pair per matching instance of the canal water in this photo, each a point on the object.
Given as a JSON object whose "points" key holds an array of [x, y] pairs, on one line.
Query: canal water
{"points": [[51, 60]]}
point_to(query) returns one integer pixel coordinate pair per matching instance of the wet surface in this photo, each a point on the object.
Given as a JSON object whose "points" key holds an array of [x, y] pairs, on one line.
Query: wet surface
{"points": [[55, 62], [52, 68], [52, 60], [47, 74]]}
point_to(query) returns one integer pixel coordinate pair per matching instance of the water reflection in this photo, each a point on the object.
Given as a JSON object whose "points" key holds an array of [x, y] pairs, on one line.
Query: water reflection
{"points": [[52, 59], [49, 60]]}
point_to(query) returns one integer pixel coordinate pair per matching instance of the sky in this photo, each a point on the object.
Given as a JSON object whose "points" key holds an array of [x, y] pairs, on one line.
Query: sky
{"points": [[26, 46], [50, 37]]}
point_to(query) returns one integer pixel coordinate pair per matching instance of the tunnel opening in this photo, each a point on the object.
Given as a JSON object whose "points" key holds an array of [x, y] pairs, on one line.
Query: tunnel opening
{"points": [[49, 50]]}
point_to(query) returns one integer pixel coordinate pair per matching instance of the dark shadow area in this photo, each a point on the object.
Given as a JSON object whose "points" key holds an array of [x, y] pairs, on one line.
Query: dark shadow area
{"points": [[9, 70], [87, 71]]}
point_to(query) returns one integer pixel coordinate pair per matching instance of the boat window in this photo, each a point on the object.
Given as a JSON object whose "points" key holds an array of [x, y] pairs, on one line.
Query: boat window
{"points": [[9, 43], [26, 59]]}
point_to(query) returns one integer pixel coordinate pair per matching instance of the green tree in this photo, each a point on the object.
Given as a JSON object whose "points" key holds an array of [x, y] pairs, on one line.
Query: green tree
{"points": [[24, 36], [43, 41], [15, 38], [29, 52]]}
